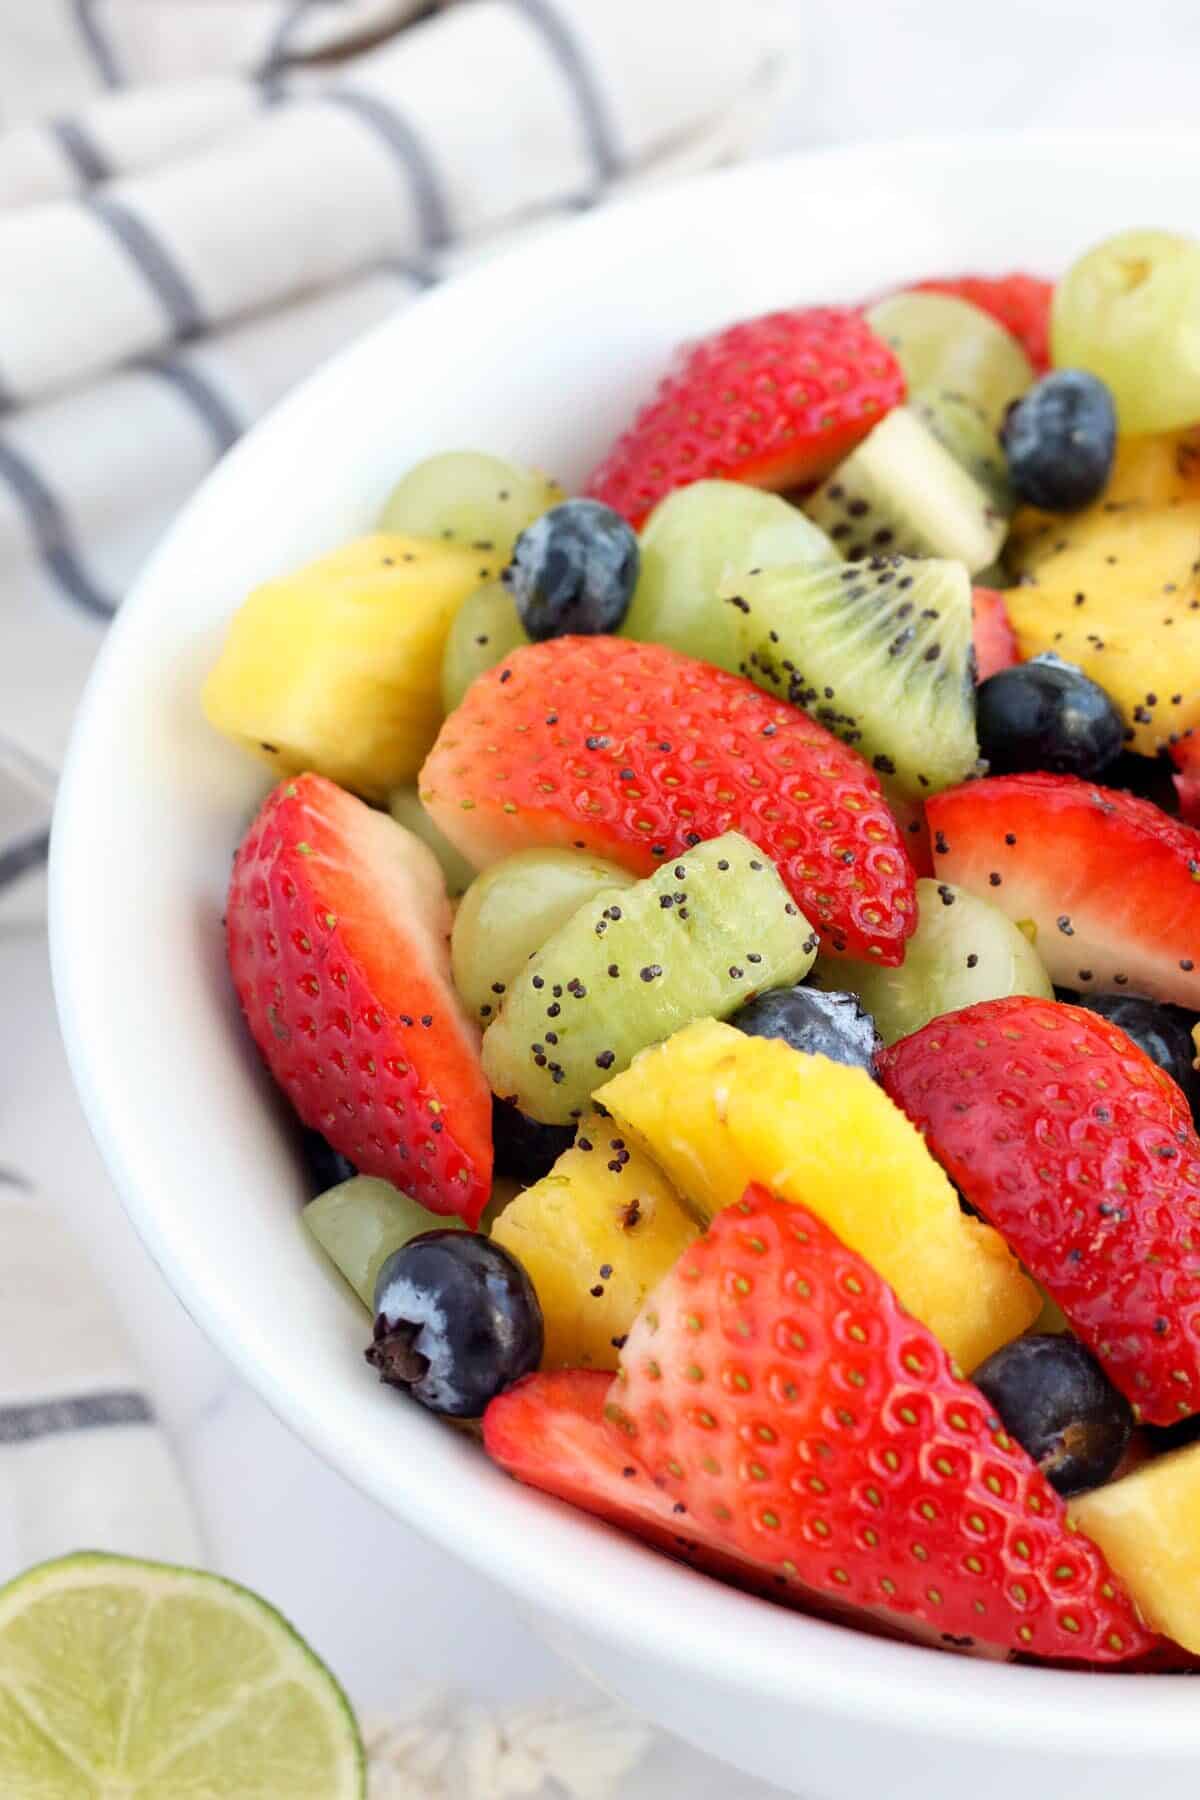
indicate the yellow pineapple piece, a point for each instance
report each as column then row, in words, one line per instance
column 337, row 667
column 718, row 1109
column 1118, row 592
column 1148, row 1526
column 595, row 1235
column 1156, row 470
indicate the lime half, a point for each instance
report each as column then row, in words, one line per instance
column 127, row 1680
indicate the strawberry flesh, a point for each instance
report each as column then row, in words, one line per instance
column 337, row 930
column 995, row 640
column 1110, row 882
column 1185, row 754
column 776, row 1386
column 1082, row 1153
column 637, row 752
column 775, row 401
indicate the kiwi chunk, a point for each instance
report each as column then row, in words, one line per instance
column 902, row 493
column 941, row 341
column 963, row 428
column 879, row 652
column 964, row 950
column 695, row 940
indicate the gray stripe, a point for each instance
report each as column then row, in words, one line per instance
column 281, row 39
column 82, row 151
column 155, row 262
column 433, row 211
column 418, row 273
column 12, row 1178
column 204, row 398
column 52, row 533
column 8, row 400
column 87, row 1412
column 100, row 49
column 23, row 856
column 598, row 129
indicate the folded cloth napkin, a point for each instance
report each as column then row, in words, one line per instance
column 199, row 203
column 83, row 1463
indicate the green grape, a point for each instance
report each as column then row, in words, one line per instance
column 485, row 628
column 510, row 910
column 948, row 344
column 361, row 1221
column 964, row 950
column 405, row 807
column 1129, row 311
column 471, row 499
column 693, row 539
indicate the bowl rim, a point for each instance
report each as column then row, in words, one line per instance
column 544, row 1553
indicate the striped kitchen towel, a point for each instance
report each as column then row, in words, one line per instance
column 199, row 203
column 83, row 1463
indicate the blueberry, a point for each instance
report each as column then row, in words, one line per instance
column 324, row 1166
column 574, row 570
column 456, row 1322
column 525, row 1150
column 1047, row 714
column 1163, row 1032
column 1060, row 439
column 1055, row 1399
column 832, row 1025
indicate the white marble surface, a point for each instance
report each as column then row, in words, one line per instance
column 386, row 1609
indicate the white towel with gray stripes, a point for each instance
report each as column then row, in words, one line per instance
column 83, row 1463
column 199, row 203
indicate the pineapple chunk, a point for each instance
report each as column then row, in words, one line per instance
column 1118, row 592
column 718, row 1109
column 595, row 1235
column 1148, row 1526
column 1158, row 469
column 336, row 668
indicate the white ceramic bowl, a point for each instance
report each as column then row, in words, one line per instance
column 538, row 356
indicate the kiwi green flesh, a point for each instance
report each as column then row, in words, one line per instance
column 696, row 940
column 963, row 951
column 879, row 652
column 963, row 428
column 902, row 493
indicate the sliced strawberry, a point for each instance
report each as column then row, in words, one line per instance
column 1082, row 1153
column 550, row 1432
column 636, row 752
column 776, row 1387
column 775, row 401
column 1185, row 754
column 1021, row 303
column 1109, row 882
column 995, row 639
column 337, row 932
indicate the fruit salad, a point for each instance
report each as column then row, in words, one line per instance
column 731, row 940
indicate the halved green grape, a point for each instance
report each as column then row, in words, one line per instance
column 485, row 628
column 945, row 343
column 1129, row 311
column 471, row 498
column 694, row 538
column 963, row 951
column 510, row 910
column 405, row 807
column 361, row 1221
